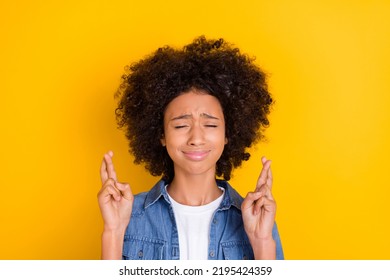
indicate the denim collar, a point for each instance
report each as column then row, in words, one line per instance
column 231, row 197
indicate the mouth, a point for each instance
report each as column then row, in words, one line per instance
column 196, row 155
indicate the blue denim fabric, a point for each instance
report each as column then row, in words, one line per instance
column 152, row 233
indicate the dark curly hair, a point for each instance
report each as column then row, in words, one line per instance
column 211, row 66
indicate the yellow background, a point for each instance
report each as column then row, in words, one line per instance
column 328, row 64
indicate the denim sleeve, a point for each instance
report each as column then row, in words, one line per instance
column 276, row 237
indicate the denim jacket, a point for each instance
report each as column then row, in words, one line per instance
column 152, row 232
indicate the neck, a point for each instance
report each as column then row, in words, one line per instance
column 194, row 190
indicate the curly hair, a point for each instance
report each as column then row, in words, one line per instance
column 211, row 66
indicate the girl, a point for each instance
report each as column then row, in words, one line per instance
column 189, row 116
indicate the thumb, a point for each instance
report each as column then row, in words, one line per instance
column 125, row 190
column 250, row 199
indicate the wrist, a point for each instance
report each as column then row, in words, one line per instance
column 114, row 230
column 264, row 248
column 112, row 243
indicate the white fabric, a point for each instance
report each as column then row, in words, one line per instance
column 193, row 227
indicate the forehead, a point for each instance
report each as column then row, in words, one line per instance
column 194, row 103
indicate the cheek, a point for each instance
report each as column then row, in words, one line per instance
column 173, row 141
column 171, row 149
column 219, row 140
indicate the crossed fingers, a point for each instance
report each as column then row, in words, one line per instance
column 109, row 179
column 107, row 169
column 265, row 180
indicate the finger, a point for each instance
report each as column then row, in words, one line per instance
column 110, row 165
column 270, row 178
column 264, row 173
column 125, row 190
column 265, row 203
column 103, row 171
column 114, row 192
column 109, row 189
column 266, row 191
column 249, row 200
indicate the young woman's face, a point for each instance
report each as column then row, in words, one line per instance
column 194, row 132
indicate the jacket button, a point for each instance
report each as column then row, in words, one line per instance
column 212, row 254
column 140, row 254
column 214, row 221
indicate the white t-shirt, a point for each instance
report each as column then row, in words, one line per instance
column 193, row 227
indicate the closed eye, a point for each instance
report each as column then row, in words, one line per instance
column 211, row 125
column 180, row 126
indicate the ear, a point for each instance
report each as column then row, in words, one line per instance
column 226, row 140
column 162, row 140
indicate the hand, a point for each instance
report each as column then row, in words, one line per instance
column 259, row 207
column 115, row 198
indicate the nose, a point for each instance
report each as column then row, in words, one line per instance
column 196, row 136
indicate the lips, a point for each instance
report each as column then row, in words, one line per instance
column 196, row 155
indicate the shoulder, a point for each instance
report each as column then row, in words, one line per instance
column 139, row 201
column 232, row 197
column 144, row 199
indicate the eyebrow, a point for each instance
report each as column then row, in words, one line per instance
column 189, row 116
